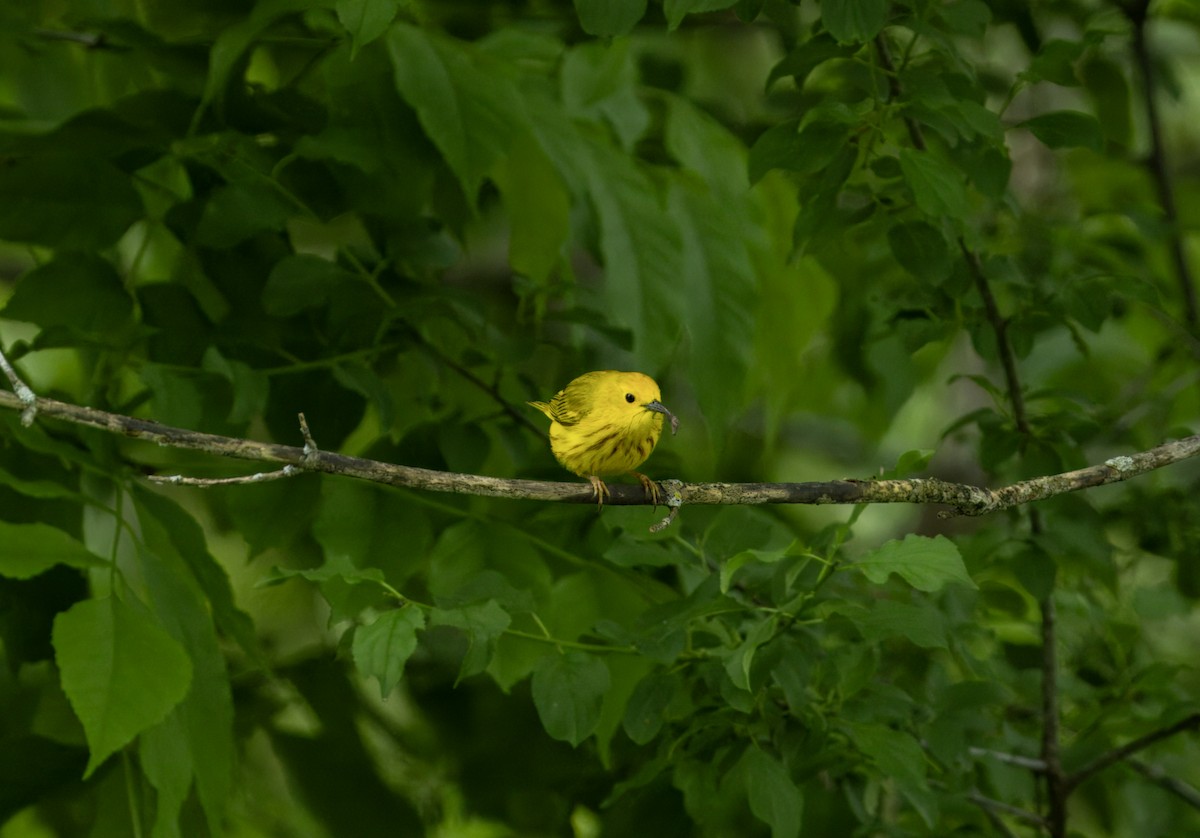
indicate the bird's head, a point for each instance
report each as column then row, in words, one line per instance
column 634, row 393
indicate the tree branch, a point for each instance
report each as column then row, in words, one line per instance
column 1137, row 13
column 962, row 498
column 1103, row 761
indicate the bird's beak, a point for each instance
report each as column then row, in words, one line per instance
column 659, row 407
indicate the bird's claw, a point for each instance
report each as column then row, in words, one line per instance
column 599, row 490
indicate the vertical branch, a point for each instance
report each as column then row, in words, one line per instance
column 1057, row 787
column 1136, row 12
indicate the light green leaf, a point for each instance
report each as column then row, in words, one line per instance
column 121, row 672
column 936, row 183
column 925, row 563
column 774, row 797
column 605, row 18
column 29, row 549
column 382, row 648
column 466, row 104
column 568, row 691
column 40, row 489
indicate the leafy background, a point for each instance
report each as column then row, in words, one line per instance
column 406, row 219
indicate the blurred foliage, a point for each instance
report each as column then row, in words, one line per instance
column 406, row 219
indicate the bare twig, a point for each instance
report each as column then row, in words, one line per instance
column 1000, row 807
column 1010, row 759
column 257, row 477
column 1137, row 13
column 1103, row 761
column 22, row 390
column 1188, row 793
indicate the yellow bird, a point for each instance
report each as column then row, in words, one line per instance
column 605, row 423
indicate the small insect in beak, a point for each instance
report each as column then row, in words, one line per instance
column 659, row 407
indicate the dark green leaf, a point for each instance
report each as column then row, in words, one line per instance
column 676, row 10
column 774, row 798
column 644, row 714
column 606, row 18
column 467, row 107
column 921, row 249
column 854, row 21
column 78, row 291
column 1066, row 129
column 71, row 201
column 483, row 623
column 937, row 185
column 568, row 691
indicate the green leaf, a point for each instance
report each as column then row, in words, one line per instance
column 301, row 281
column 568, row 691
column 806, row 57
column 76, row 290
column 239, row 211
column 196, row 740
column 1108, row 88
column 922, row 624
column 927, row 564
column 483, row 623
column 165, row 523
column 899, row 757
column 1066, row 129
column 29, row 549
column 249, row 385
column 382, row 648
column 539, row 210
column 774, row 797
column 121, row 672
column 235, row 40
column 70, row 201
column 366, row 20
column 921, row 249
column 40, row 489
column 467, row 106
column 676, row 10
column 936, row 183
column 740, row 661
column 853, row 21
column 644, row 713
column 605, row 18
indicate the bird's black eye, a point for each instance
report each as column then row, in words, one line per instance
column 629, row 397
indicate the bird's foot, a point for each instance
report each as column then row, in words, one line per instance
column 599, row 489
column 651, row 488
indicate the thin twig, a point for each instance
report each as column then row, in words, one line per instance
column 988, row 804
column 257, row 477
column 1188, row 793
column 1031, row 763
column 1136, row 12
column 22, row 390
column 1103, row 761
